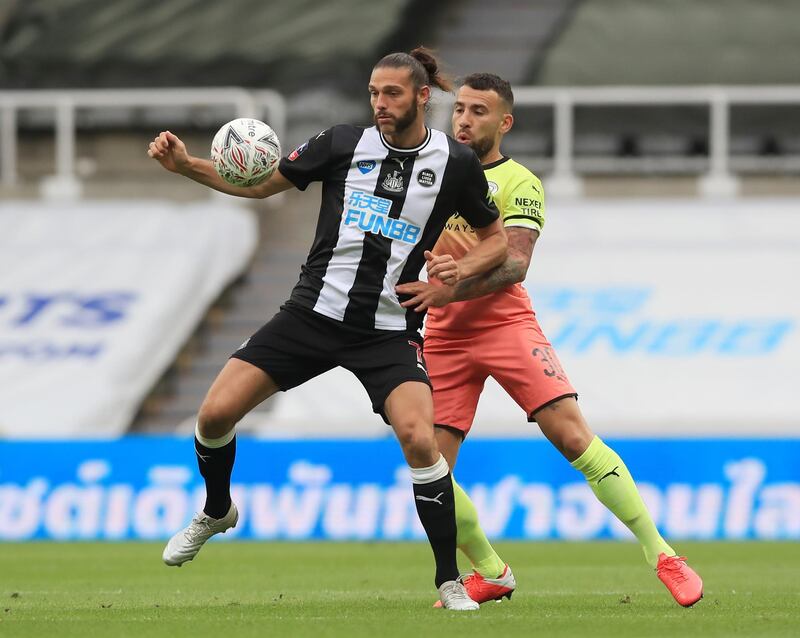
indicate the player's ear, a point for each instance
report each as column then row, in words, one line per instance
column 507, row 123
column 424, row 95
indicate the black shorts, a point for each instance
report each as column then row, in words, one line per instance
column 298, row 344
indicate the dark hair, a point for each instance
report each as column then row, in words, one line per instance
column 423, row 65
column 491, row 82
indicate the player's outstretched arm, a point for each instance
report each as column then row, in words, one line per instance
column 169, row 151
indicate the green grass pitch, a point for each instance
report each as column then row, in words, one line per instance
column 384, row 590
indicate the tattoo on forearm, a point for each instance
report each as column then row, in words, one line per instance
column 509, row 272
column 520, row 249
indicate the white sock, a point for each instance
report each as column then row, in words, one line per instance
column 214, row 443
column 422, row 475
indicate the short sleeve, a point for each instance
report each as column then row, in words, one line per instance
column 523, row 206
column 309, row 162
column 474, row 200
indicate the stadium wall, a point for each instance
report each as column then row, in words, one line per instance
column 98, row 298
column 672, row 317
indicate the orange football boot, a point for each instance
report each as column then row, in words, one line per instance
column 682, row 581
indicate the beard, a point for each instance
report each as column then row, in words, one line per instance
column 482, row 146
column 403, row 122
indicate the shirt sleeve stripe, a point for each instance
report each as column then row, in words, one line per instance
column 526, row 217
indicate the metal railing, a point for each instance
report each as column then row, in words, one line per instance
column 242, row 103
column 565, row 178
column 718, row 180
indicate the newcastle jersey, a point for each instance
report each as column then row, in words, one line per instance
column 382, row 208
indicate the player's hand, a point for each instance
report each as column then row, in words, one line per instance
column 443, row 267
column 425, row 295
column 168, row 149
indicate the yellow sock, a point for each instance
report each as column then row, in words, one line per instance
column 613, row 485
column 471, row 539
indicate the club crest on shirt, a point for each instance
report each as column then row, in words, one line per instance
column 493, row 188
column 393, row 182
column 365, row 166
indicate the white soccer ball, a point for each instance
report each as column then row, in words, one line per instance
column 245, row 151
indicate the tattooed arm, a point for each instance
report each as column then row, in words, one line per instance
column 513, row 270
column 520, row 250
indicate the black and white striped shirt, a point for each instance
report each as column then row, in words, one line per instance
column 381, row 208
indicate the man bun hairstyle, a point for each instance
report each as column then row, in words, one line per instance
column 423, row 65
column 435, row 76
column 491, row 82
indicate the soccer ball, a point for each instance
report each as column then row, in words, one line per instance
column 245, row 151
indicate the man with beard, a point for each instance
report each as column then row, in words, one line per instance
column 469, row 339
column 387, row 192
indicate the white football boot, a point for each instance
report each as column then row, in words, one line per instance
column 454, row 596
column 185, row 544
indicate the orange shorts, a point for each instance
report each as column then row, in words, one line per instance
column 518, row 356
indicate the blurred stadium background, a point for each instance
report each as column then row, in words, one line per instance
column 667, row 134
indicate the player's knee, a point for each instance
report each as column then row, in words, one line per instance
column 215, row 419
column 574, row 443
column 567, row 430
column 574, row 437
column 415, row 437
column 412, row 441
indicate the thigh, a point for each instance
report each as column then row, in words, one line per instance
column 385, row 361
column 409, row 406
column 524, row 363
column 238, row 388
column 291, row 348
column 457, row 381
